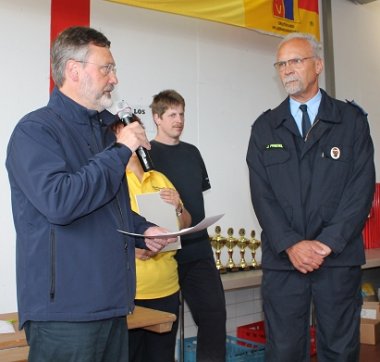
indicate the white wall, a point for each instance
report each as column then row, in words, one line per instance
column 356, row 30
column 225, row 74
column 24, row 64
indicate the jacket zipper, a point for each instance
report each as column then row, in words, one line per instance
column 52, row 265
column 307, row 134
column 99, row 147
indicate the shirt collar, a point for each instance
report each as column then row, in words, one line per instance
column 312, row 106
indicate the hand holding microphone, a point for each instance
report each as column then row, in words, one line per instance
column 134, row 137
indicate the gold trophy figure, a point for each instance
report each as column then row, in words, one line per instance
column 243, row 242
column 254, row 244
column 231, row 243
column 218, row 241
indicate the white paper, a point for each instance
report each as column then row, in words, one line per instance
column 204, row 224
column 368, row 313
column 6, row 327
column 159, row 212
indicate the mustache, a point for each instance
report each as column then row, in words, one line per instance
column 110, row 88
column 290, row 78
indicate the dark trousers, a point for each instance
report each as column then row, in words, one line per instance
column 203, row 292
column 146, row 346
column 97, row 341
column 287, row 297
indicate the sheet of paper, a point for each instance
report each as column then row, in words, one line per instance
column 159, row 212
column 6, row 327
column 204, row 224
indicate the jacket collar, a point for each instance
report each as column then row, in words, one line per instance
column 68, row 109
column 327, row 112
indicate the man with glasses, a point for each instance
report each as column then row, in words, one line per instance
column 75, row 271
column 312, row 182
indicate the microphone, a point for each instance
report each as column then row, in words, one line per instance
column 126, row 116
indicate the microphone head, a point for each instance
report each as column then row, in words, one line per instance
column 124, row 110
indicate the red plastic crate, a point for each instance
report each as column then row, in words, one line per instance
column 255, row 332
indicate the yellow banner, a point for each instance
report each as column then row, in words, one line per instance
column 277, row 17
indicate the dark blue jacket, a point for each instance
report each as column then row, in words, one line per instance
column 321, row 189
column 68, row 200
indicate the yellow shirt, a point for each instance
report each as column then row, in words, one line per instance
column 156, row 277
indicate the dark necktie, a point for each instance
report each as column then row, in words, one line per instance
column 306, row 124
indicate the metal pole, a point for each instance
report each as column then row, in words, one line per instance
column 181, row 328
column 328, row 47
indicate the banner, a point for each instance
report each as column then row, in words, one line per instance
column 278, row 17
column 65, row 13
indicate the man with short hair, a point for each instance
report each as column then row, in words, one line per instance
column 75, row 271
column 312, row 181
column 200, row 282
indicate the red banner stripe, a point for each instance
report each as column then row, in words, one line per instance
column 66, row 13
column 310, row 5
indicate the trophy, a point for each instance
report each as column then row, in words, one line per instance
column 254, row 244
column 218, row 242
column 243, row 242
column 231, row 243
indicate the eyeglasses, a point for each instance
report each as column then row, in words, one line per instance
column 104, row 69
column 295, row 63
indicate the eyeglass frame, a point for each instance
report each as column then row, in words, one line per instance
column 293, row 62
column 108, row 68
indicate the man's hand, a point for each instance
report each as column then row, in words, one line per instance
column 144, row 254
column 156, row 244
column 308, row 255
column 321, row 249
column 132, row 136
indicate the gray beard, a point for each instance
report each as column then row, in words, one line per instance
column 105, row 102
column 293, row 87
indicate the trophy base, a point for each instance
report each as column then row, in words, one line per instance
column 232, row 269
column 222, row 270
column 255, row 267
column 245, row 268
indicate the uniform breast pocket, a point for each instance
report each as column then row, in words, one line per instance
column 336, row 163
column 275, row 157
column 276, row 164
column 338, row 153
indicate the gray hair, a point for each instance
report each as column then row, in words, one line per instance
column 73, row 43
column 314, row 44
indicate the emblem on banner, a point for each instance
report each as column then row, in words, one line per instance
column 335, row 153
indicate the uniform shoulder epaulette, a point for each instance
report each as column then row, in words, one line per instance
column 353, row 103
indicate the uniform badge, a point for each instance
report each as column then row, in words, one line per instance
column 335, row 153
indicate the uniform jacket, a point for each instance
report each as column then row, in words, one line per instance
column 68, row 199
column 320, row 188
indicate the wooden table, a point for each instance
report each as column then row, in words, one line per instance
column 14, row 348
column 151, row 319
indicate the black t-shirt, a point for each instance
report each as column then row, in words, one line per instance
column 183, row 165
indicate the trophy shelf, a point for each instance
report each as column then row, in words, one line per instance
column 372, row 258
column 253, row 278
column 243, row 279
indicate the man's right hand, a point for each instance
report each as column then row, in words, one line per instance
column 132, row 136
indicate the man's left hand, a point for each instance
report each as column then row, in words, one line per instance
column 156, row 244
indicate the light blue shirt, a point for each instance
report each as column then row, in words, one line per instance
column 312, row 109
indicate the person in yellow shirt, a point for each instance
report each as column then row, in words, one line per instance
column 156, row 274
